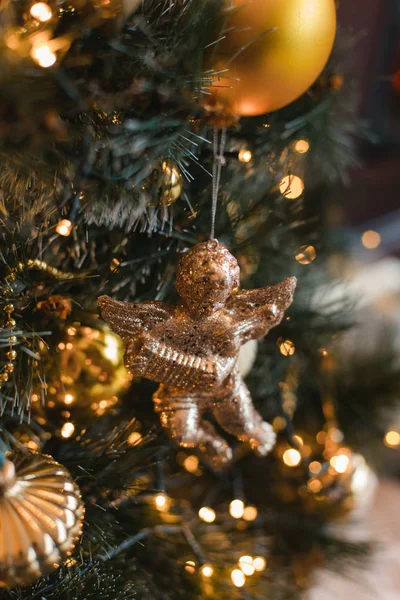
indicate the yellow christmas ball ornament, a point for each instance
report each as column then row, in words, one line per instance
column 168, row 180
column 274, row 50
column 85, row 369
column 41, row 514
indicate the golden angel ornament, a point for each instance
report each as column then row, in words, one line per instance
column 192, row 350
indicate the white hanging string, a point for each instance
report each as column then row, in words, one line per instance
column 218, row 163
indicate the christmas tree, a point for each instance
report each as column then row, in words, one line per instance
column 154, row 143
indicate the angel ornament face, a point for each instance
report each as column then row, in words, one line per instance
column 192, row 350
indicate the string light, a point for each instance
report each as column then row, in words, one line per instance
column 69, row 398
column 279, row 423
column 41, row 12
column 298, row 440
column 306, row 255
column 392, row 439
column 207, row 514
column 246, row 564
column 259, row 563
column 45, row 58
column 162, row 502
column 207, row 570
column 250, row 513
column 371, row 239
column 67, row 430
column 315, row 467
column 238, row 578
column 291, row 186
column 190, row 566
column 302, row 146
column 191, row 463
column 236, row 508
column 340, row 463
column 291, row 457
column 245, row 155
column 287, row 347
column 314, row 485
column 64, row 227
column 134, row 438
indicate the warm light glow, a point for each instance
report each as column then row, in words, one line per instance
column 45, row 58
column 246, row 564
column 287, row 348
column 259, row 563
column 191, row 463
column 302, row 146
column 279, row 423
column 371, row 239
column 291, row 457
column 315, row 486
column 315, row 467
column 41, row 12
column 250, row 513
column 207, row 514
column 190, row 566
column 67, row 430
column 392, row 439
column 238, row 578
column 291, row 187
column 111, row 348
column 340, row 463
column 306, row 255
column 236, row 509
column 162, row 502
column 69, row 398
column 64, row 227
column 298, row 440
column 245, row 156
column 207, row 570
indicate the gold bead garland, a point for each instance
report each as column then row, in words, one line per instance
column 11, row 354
column 38, row 265
column 8, row 309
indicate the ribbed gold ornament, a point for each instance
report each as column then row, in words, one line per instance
column 41, row 514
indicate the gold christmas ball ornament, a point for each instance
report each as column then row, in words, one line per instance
column 168, row 182
column 41, row 514
column 85, row 369
column 273, row 50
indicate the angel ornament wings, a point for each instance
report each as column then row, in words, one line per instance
column 192, row 350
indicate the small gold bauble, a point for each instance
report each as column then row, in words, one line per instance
column 11, row 354
column 274, row 51
column 84, row 370
column 168, row 180
column 41, row 514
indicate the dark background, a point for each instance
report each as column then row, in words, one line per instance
column 372, row 199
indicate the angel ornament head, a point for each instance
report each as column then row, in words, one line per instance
column 192, row 350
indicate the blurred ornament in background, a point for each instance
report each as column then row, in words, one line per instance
column 327, row 477
column 271, row 53
column 41, row 514
column 85, row 370
column 167, row 180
